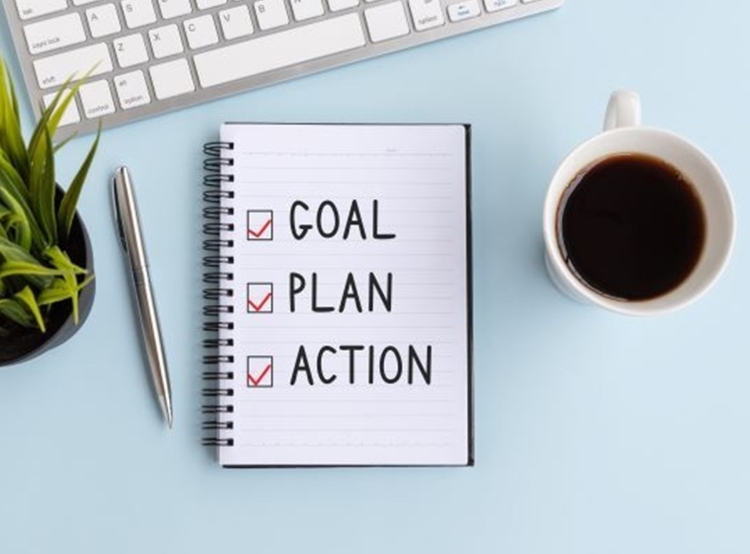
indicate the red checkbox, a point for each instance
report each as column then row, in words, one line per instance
column 259, row 372
column 260, row 298
column 259, row 225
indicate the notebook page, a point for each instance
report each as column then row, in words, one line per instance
column 350, row 295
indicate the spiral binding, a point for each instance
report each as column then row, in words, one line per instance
column 218, row 382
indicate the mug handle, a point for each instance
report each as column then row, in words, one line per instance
column 623, row 110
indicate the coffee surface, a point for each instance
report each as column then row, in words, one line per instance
column 631, row 227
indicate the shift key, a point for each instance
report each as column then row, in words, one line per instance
column 54, row 70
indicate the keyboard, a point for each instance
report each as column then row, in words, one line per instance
column 146, row 57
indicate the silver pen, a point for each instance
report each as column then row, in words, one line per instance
column 129, row 228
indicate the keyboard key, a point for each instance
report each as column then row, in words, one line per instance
column 83, row 2
column 282, row 49
column 54, row 70
column 271, row 14
column 55, row 33
column 174, row 8
column 495, row 5
column 165, row 41
column 306, row 9
column 130, row 50
column 132, row 90
column 387, row 21
column 96, row 99
column 205, row 4
column 201, row 32
column 236, row 22
column 171, row 79
column 28, row 9
column 463, row 10
column 426, row 14
column 71, row 115
column 103, row 20
column 138, row 13
column 338, row 5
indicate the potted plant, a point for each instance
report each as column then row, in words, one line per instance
column 46, row 262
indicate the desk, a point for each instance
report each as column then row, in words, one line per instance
column 594, row 432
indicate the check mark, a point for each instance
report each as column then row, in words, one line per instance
column 259, row 225
column 259, row 232
column 258, row 307
column 256, row 380
column 260, row 298
column 260, row 371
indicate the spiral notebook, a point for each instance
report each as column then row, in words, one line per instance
column 339, row 295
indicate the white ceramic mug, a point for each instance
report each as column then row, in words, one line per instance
column 624, row 134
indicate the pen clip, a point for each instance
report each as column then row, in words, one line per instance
column 118, row 209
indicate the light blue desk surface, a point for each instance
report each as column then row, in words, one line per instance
column 594, row 432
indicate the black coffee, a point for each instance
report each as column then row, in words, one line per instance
column 631, row 227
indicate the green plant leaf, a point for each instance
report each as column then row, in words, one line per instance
column 10, row 176
column 57, row 109
column 54, row 112
column 70, row 274
column 69, row 202
column 45, row 123
column 59, row 146
column 47, row 211
column 61, row 260
column 57, row 291
column 16, row 311
column 60, row 290
column 23, row 226
column 16, row 196
column 26, row 296
column 14, row 101
column 72, row 282
column 11, row 138
column 9, row 250
column 11, row 268
column 42, row 187
column 12, row 223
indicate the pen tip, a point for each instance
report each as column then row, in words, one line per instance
column 166, row 409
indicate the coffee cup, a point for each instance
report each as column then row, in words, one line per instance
column 637, row 220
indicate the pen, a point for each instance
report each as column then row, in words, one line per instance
column 129, row 229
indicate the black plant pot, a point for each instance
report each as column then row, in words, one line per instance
column 23, row 344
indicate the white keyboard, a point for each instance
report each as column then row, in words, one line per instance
column 150, row 56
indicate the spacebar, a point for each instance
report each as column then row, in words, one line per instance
column 283, row 49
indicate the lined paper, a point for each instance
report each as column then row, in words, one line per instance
column 350, row 295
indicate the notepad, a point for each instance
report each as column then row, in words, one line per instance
column 339, row 295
